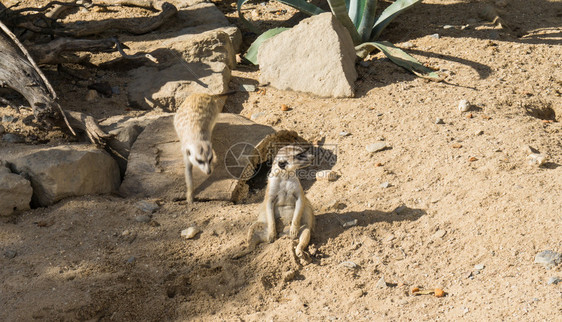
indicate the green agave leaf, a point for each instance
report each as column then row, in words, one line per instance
column 389, row 14
column 354, row 8
column 244, row 20
column 340, row 11
column 399, row 57
column 252, row 53
column 303, row 6
column 367, row 19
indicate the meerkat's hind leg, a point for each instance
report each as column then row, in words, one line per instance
column 304, row 239
column 256, row 235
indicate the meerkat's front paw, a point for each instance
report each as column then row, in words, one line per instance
column 271, row 234
column 294, row 232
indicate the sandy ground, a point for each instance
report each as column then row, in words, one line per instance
column 443, row 199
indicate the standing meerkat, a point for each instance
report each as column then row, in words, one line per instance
column 194, row 122
column 285, row 201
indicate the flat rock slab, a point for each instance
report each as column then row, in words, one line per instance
column 15, row 191
column 64, row 171
column 156, row 168
column 316, row 56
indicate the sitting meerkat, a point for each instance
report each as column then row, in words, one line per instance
column 285, row 201
column 194, row 122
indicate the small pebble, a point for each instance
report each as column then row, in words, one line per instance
column 447, row 27
column 548, row 258
column 344, row 133
column 247, row 88
column 147, row 206
column 256, row 115
column 536, row 159
column 385, row 184
column 143, row 218
column 381, row 283
column 407, row 45
column 348, row 264
column 350, row 223
column 189, row 232
column 328, row 175
column 440, row 233
column 479, row 267
column 284, row 108
column 553, row 280
column 479, row 132
column 131, row 259
column 91, row 95
column 464, row 106
column 376, row 147
column 439, row 121
column 436, row 36
column 10, row 253
column 7, row 119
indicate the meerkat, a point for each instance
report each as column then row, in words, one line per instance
column 194, row 122
column 285, row 201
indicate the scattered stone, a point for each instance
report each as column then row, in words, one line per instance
column 350, row 223
column 91, row 95
column 8, row 119
column 407, row 45
column 439, row 234
column 376, row 147
column 479, row 132
column 479, row 267
column 548, row 258
column 328, row 175
column 126, row 232
column 385, row 184
column 131, row 259
column 348, row 264
column 64, row 171
column 439, row 121
column 147, row 206
column 189, row 232
column 247, row 88
column 464, row 106
column 344, row 133
column 286, row 61
column 10, row 253
column 553, row 280
column 143, row 218
column 257, row 115
column 448, row 27
column 435, row 36
column 285, row 107
column 536, row 159
column 13, row 138
column 400, row 209
column 15, row 192
column 381, row 283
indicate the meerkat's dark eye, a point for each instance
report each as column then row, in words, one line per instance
column 282, row 164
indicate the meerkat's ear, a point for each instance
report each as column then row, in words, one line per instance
column 282, row 164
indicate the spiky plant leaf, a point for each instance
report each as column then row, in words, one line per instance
column 367, row 19
column 340, row 11
column 303, row 6
column 389, row 14
column 248, row 24
column 252, row 53
column 399, row 57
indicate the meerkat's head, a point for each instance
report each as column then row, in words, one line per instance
column 202, row 155
column 292, row 157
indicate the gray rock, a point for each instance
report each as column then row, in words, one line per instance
column 8, row 119
column 247, row 88
column 13, row 138
column 553, row 280
column 10, row 253
column 439, row 121
column 156, row 170
column 147, row 206
column 376, row 147
column 143, row 218
column 435, row 36
column 464, row 106
column 65, row 171
column 15, row 192
column 381, row 283
column 297, row 59
column 167, row 88
column 548, row 258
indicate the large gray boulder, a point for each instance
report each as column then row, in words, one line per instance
column 15, row 191
column 156, row 168
column 65, row 171
column 316, row 56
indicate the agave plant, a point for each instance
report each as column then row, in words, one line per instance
column 359, row 18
